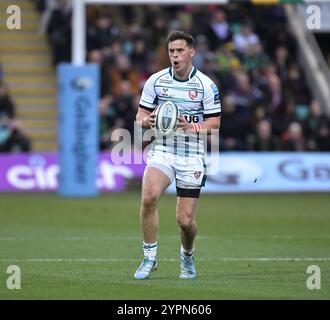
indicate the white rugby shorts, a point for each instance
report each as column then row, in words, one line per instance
column 189, row 172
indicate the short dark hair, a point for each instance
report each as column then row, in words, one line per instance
column 181, row 35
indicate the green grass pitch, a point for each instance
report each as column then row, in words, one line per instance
column 252, row 246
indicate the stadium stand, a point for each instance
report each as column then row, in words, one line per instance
column 12, row 136
column 247, row 50
column 30, row 76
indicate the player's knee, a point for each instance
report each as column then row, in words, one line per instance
column 149, row 200
column 185, row 221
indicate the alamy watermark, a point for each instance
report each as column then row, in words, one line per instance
column 314, row 280
column 14, row 280
column 313, row 20
column 128, row 149
column 13, row 21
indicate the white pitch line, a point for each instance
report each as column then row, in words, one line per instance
column 276, row 259
column 224, row 259
column 120, row 237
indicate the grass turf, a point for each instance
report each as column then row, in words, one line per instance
column 252, row 246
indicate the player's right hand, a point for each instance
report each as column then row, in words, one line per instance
column 150, row 120
column 182, row 124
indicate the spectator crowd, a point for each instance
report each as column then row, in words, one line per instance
column 246, row 50
column 12, row 135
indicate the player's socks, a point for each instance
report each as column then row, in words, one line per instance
column 150, row 250
column 187, row 264
column 187, row 252
column 149, row 262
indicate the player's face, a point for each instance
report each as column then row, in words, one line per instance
column 180, row 55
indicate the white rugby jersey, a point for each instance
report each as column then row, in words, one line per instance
column 197, row 98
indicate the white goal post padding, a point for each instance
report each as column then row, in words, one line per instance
column 79, row 20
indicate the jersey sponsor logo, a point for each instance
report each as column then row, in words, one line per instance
column 190, row 119
column 165, row 81
column 165, row 92
column 193, row 94
column 193, row 84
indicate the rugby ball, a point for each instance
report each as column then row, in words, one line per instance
column 166, row 119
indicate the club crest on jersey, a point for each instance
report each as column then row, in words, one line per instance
column 197, row 174
column 193, row 94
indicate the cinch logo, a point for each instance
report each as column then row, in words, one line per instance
column 37, row 176
column 34, row 175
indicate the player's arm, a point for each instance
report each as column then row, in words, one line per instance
column 211, row 123
column 146, row 118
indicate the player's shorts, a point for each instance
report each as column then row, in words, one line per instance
column 188, row 172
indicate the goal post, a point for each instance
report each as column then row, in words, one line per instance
column 79, row 19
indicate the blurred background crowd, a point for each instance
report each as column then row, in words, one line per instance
column 247, row 51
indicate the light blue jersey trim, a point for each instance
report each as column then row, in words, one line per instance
column 207, row 111
column 191, row 112
column 149, row 103
column 178, row 100
column 180, row 88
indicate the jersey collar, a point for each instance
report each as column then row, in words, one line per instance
column 190, row 76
